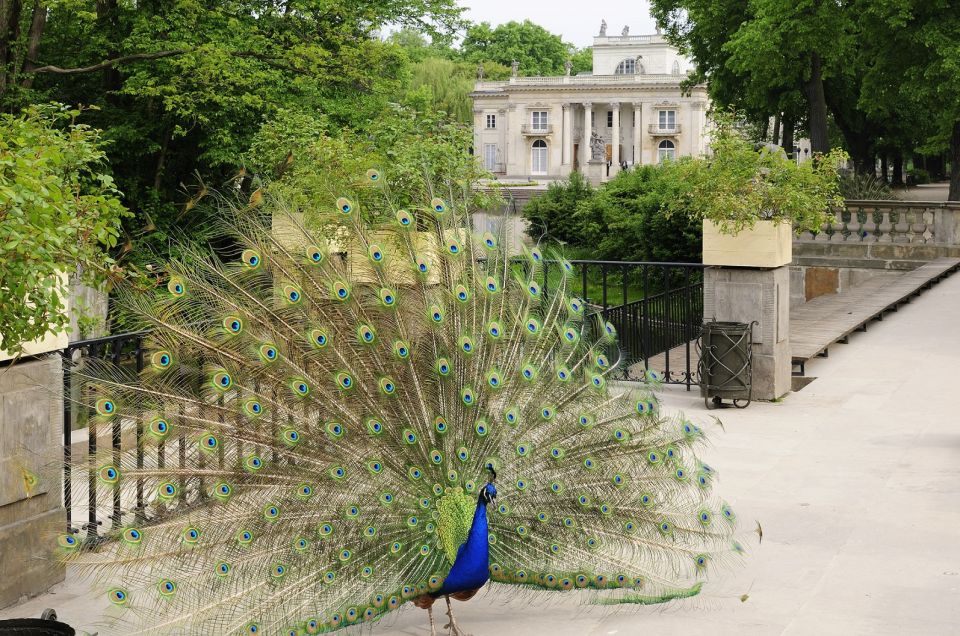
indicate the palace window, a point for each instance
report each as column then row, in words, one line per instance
column 491, row 121
column 539, row 120
column 609, row 119
column 668, row 119
column 490, row 157
column 538, row 157
column 676, row 68
column 666, row 151
column 627, row 67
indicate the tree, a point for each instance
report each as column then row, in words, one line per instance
column 537, row 51
column 181, row 89
column 915, row 77
column 442, row 85
column 552, row 216
column 755, row 54
column 582, row 61
column 59, row 210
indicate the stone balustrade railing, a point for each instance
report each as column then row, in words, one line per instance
column 576, row 80
column 903, row 222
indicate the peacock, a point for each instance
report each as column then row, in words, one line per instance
column 366, row 405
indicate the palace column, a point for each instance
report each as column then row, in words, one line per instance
column 615, row 140
column 566, row 138
column 637, row 134
column 585, row 143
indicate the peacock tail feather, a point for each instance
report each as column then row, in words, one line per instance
column 324, row 408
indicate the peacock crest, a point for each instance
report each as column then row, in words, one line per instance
column 324, row 414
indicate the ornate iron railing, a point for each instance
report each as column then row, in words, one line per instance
column 657, row 309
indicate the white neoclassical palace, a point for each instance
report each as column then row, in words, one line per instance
column 630, row 110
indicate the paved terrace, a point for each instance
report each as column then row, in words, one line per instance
column 855, row 479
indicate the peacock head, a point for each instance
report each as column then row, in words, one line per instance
column 489, row 492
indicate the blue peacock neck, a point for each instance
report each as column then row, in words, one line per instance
column 471, row 569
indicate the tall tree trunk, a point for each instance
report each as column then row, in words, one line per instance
column 954, row 194
column 37, row 24
column 788, row 125
column 776, row 129
column 108, row 18
column 897, row 179
column 9, row 34
column 817, row 104
column 765, row 129
column 883, row 167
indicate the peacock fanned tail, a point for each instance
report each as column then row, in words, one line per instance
column 319, row 414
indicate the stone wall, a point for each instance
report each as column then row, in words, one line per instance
column 740, row 294
column 31, row 426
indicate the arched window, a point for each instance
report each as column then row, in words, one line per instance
column 676, row 67
column 538, row 157
column 627, row 67
column 666, row 151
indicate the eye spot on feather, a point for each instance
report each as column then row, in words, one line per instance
column 314, row 255
column 251, row 258
column 177, row 287
column 344, row 205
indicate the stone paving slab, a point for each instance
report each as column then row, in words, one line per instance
column 855, row 480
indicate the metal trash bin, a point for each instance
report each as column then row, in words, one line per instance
column 725, row 368
column 46, row 625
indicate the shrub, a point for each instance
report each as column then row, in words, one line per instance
column 553, row 215
column 628, row 218
column 865, row 187
column 60, row 212
column 916, row 176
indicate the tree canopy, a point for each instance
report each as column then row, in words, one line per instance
column 537, row 51
column 866, row 68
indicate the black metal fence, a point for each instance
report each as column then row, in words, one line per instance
column 657, row 309
column 122, row 350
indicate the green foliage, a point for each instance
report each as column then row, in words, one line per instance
column 301, row 163
column 582, row 61
column 917, row 176
column 738, row 185
column 223, row 69
column 538, row 51
column 865, row 187
column 552, row 216
column 638, row 216
column 440, row 85
column 59, row 210
column 625, row 219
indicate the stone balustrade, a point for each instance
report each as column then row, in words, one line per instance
column 891, row 222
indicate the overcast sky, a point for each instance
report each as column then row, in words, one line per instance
column 576, row 20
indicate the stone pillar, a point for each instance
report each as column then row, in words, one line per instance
column 743, row 294
column 585, row 143
column 637, row 134
column 615, row 140
column 566, row 138
column 31, row 429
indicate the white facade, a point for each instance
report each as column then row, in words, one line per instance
column 541, row 127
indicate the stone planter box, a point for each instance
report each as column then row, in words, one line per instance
column 765, row 245
column 51, row 341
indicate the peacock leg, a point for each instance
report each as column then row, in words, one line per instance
column 452, row 625
column 433, row 626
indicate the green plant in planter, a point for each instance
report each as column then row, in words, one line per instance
column 740, row 185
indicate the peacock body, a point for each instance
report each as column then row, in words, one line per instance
column 373, row 405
